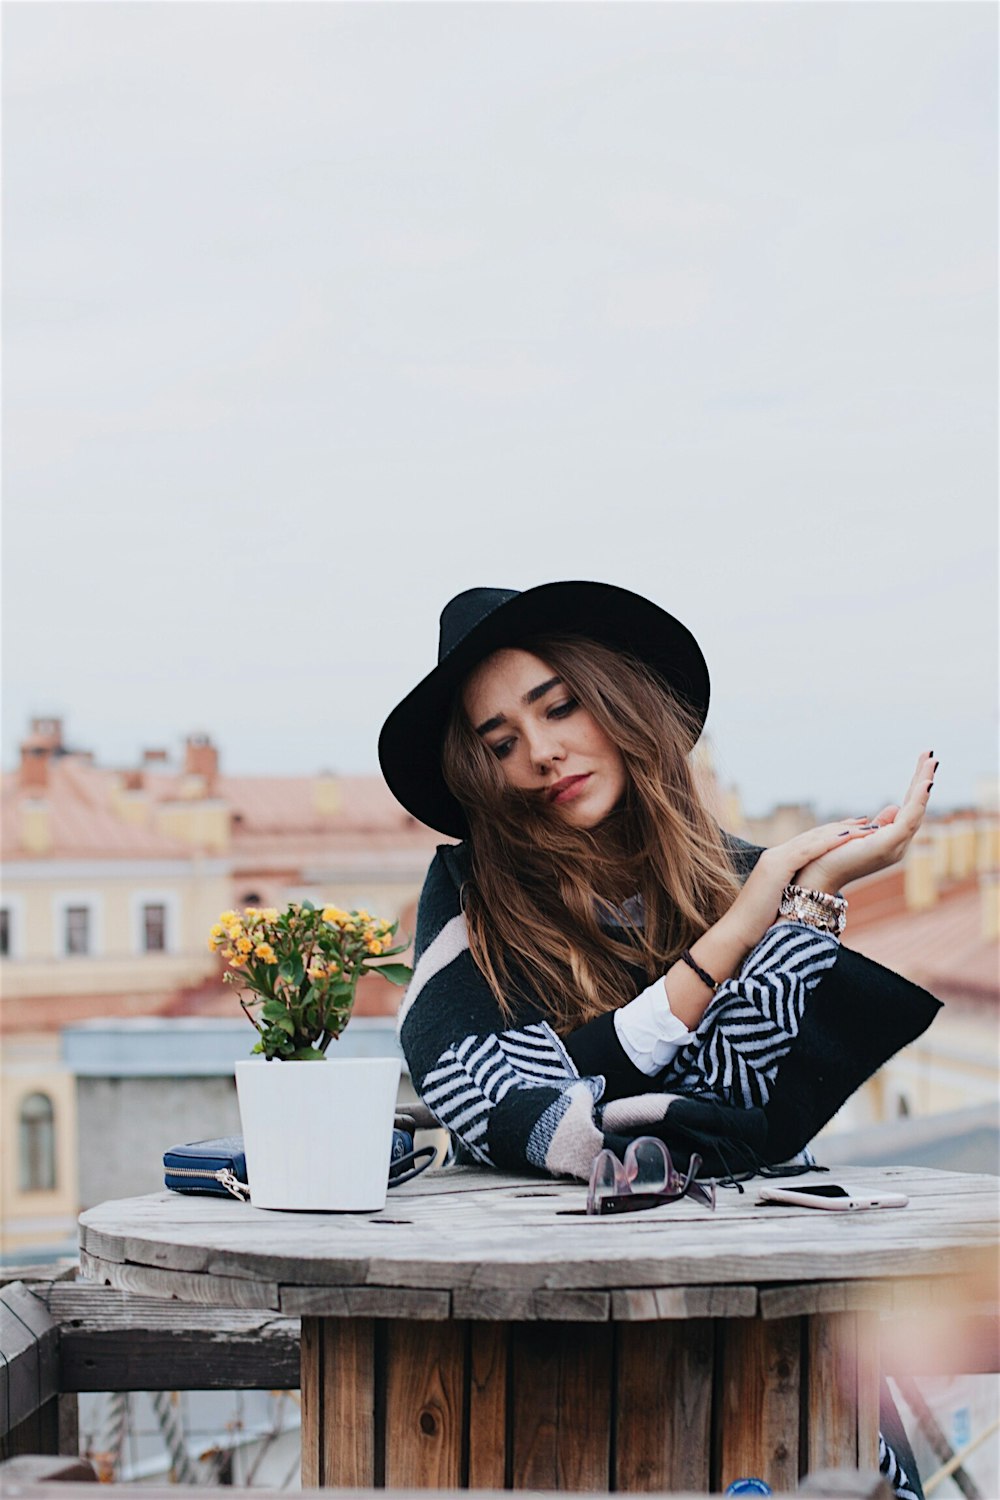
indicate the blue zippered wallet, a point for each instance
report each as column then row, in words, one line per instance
column 219, row 1166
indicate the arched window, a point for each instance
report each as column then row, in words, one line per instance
column 37, row 1140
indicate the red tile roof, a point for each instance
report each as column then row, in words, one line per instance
column 941, row 948
column 273, row 817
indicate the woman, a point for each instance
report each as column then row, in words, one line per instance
column 597, row 960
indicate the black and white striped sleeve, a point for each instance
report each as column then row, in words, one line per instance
column 754, row 1018
column 510, row 1094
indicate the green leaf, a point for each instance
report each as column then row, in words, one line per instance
column 307, row 1054
column 286, row 970
column 395, row 973
column 274, row 1011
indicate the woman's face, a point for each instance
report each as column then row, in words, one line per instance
column 545, row 741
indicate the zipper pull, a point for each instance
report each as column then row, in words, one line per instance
column 232, row 1183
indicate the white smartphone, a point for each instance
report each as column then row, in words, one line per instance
column 831, row 1197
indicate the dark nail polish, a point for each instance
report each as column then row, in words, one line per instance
column 844, row 834
column 930, row 752
column 936, row 764
column 930, row 789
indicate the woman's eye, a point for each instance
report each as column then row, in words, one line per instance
column 502, row 750
column 563, row 710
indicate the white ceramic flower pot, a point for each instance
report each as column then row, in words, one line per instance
column 317, row 1135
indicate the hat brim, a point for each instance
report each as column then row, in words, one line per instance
column 410, row 744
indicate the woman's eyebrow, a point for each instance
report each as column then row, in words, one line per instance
column 531, row 696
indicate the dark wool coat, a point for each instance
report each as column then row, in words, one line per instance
column 780, row 1049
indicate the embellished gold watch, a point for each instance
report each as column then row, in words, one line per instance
column 816, row 908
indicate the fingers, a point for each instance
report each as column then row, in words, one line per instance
column 923, row 776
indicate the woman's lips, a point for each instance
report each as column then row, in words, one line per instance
column 568, row 788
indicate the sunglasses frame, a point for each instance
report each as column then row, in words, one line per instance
column 626, row 1200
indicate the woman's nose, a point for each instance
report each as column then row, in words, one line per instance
column 544, row 746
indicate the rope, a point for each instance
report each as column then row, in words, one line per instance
column 958, row 1458
column 184, row 1471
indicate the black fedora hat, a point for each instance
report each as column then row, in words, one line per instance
column 480, row 621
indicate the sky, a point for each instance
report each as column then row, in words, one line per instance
column 316, row 314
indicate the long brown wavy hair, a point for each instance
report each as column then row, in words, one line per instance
column 539, row 887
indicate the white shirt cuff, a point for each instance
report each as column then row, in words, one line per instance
column 649, row 1031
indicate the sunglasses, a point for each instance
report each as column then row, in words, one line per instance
column 646, row 1178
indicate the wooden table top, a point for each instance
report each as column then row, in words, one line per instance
column 472, row 1243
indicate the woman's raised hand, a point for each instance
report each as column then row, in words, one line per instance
column 756, row 906
column 829, row 857
column 895, row 827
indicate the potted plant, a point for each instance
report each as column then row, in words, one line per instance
column 317, row 1132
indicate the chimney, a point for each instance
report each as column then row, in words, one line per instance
column 36, row 829
column 201, row 758
column 326, row 793
column 155, row 757
column 48, row 732
column 989, row 898
column 34, row 772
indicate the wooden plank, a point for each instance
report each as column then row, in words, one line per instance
column 831, row 1404
column 658, row 1303
column 561, row 1406
column 182, row 1359
column 365, row 1302
column 338, row 1402
column 523, row 1306
column 185, row 1286
column 804, row 1299
column 487, row 1417
column 424, row 1405
column 758, row 1419
column 663, row 1406
column 311, row 1388
column 869, row 1364
column 29, row 1367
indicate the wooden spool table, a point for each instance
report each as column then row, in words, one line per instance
column 472, row 1335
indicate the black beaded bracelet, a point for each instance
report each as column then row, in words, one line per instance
column 702, row 975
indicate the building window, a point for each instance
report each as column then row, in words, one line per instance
column 37, row 1140
column 154, row 928
column 4, row 931
column 77, row 929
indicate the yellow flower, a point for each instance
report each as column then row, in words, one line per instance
column 317, row 972
column 236, row 931
column 218, row 930
column 227, row 917
column 265, row 953
column 333, row 969
column 237, row 963
column 270, row 913
column 374, row 946
column 212, row 944
column 251, row 911
column 334, row 914
column 244, row 945
column 227, row 953
column 365, row 916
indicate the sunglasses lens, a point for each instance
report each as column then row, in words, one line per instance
column 647, row 1165
column 607, row 1180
